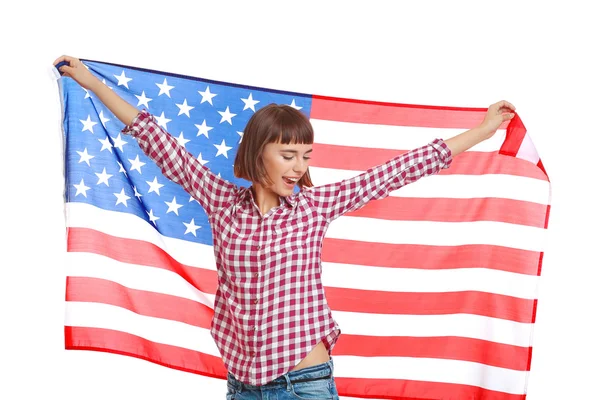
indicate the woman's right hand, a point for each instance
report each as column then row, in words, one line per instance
column 77, row 71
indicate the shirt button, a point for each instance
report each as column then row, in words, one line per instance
column 256, row 275
column 252, row 354
column 255, row 301
column 257, row 247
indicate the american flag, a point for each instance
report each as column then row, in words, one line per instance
column 434, row 287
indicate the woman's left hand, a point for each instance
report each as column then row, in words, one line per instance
column 496, row 114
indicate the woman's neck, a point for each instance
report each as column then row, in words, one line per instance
column 265, row 199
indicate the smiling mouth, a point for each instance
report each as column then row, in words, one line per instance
column 290, row 181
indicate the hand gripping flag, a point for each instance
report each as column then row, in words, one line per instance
column 434, row 287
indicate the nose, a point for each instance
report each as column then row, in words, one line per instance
column 300, row 165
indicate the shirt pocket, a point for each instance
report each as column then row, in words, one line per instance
column 291, row 236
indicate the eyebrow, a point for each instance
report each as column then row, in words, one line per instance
column 295, row 151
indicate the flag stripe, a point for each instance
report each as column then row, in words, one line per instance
column 468, row 163
column 119, row 342
column 455, row 186
column 404, row 389
column 381, row 113
column 394, row 138
column 455, row 210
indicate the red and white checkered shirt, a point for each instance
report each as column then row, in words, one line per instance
column 270, row 308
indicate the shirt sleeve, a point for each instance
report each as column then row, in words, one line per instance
column 178, row 165
column 335, row 199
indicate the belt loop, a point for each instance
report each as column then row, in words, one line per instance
column 288, row 382
column 331, row 365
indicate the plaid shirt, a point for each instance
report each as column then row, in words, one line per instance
column 270, row 308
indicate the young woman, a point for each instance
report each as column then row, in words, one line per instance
column 271, row 321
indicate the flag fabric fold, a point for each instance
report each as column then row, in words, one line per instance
column 434, row 287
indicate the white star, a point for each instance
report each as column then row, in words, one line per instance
column 81, row 189
column 201, row 160
column 106, row 144
column 122, row 79
column 143, row 99
column 85, row 157
column 241, row 136
column 192, row 199
column 181, row 140
column 203, row 129
column 191, row 227
column 250, row 103
column 153, row 218
column 226, row 116
column 87, row 94
column 136, row 164
column 173, row 206
column 103, row 119
column 88, row 125
column 294, row 105
column 122, row 197
column 164, row 88
column 162, row 120
column 118, row 142
column 121, row 169
column 136, row 193
column 222, row 148
column 207, row 96
column 154, row 186
column 103, row 177
column 184, row 108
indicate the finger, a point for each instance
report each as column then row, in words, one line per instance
column 66, row 69
column 508, row 105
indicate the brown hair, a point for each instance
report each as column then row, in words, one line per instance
column 271, row 124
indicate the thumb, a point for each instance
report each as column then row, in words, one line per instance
column 507, row 116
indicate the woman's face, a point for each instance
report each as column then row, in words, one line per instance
column 285, row 164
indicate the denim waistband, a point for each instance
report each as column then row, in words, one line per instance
column 315, row 372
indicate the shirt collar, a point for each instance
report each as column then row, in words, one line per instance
column 290, row 200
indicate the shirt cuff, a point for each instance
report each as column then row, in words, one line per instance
column 139, row 121
column 444, row 152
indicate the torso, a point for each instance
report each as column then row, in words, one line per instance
column 318, row 355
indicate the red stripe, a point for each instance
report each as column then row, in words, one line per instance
column 515, row 133
column 430, row 257
column 177, row 309
column 117, row 342
column 375, row 112
column 447, row 347
column 410, row 303
column 455, row 210
column 400, row 389
column 110, row 341
column 467, row 163
column 141, row 302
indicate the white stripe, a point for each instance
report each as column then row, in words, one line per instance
column 432, row 370
column 454, row 186
column 487, row 280
column 179, row 334
column 129, row 226
column 465, row 325
column 462, row 325
column 174, row 333
column 390, row 136
column 133, row 276
column 438, row 233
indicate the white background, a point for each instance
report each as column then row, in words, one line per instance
column 542, row 58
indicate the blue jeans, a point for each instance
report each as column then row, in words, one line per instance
column 312, row 383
